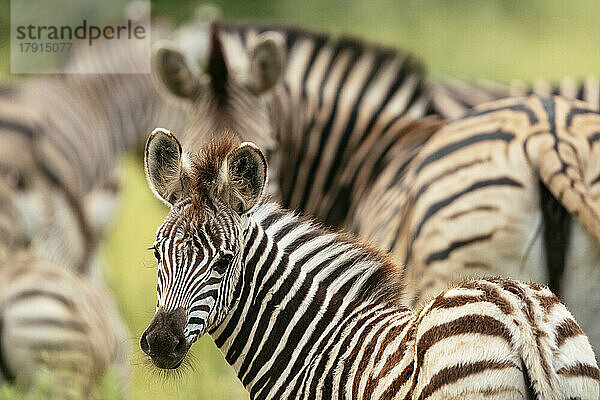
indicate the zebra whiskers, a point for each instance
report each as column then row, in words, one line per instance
column 302, row 312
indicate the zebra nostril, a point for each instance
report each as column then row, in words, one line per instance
column 180, row 347
column 144, row 344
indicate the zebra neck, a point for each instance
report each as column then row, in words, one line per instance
column 300, row 287
column 347, row 99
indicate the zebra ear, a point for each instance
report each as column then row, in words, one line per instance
column 267, row 61
column 246, row 170
column 163, row 162
column 174, row 72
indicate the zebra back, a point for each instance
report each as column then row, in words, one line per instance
column 453, row 98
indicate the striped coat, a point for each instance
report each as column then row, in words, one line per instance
column 498, row 193
column 344, row 141
column 71, row 130
column 453, row 98
column 325, row 109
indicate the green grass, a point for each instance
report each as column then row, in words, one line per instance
column 500, row 39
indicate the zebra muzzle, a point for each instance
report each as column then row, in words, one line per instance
column 164, row 340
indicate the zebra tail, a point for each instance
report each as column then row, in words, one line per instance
column 537, row 355
column 560, row 172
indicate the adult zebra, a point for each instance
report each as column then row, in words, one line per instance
column 304, row 313
column 498, row 192
column 324, row 109
column 53, row 320
column 72, row 129
column 56, row 196
column 327, row 110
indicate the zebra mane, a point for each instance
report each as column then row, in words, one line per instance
column 337, row 43
column 206, row 164
column 386, row 284
column 217, row 67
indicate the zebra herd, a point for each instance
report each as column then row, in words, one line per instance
column 355, row 137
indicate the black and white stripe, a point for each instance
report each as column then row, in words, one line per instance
column 338, row 106
column 453, row 98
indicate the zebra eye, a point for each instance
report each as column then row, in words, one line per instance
column 15, row 179
column 156, row 254
column 222, row 263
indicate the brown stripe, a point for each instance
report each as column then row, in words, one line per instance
column 490, row 294
column 392, row 334
column 567, row 329
column 452, row 374
column 476, row 324
column 547, row 302
column 580, row 369
column 396, row 358
column 392, row 390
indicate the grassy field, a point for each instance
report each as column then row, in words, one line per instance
column 497, row 39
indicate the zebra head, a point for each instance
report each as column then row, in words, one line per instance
column 232, row 93
column 37, row 211
column 198, row 245
column 26, row 197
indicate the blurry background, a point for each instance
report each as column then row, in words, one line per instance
column 496, row 39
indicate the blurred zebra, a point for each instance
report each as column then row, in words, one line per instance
column 53, row 320
column 61, row 137
column 453, row 98
column 324, row 109
column 50, row 318
column 498, row 193
column 327, row 110
column 73, row 129
column 304, row 313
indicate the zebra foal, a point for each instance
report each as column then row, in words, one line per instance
column 304, row 313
